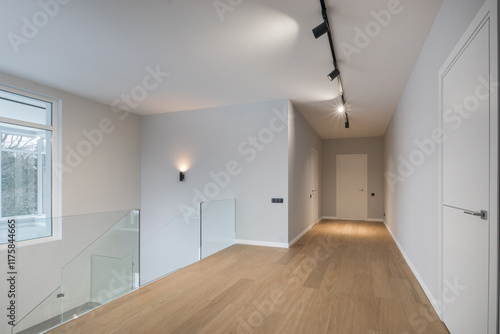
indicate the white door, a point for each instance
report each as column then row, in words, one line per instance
column 465, row 110
column 314, row 186
column 352, row 180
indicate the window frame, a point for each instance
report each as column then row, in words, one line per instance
column 55, row 147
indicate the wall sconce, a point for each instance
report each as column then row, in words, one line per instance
column 181, row 176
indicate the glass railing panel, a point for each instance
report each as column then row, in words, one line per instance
column 174, row 246
column 118, row 242
column 136, row 271
column 46, row 315
column 111, row 277
column 217, row 226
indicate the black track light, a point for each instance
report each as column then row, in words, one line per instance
column 335, row 73
column 320, row 30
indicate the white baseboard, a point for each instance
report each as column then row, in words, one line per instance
column 276, row 244
column 415, row 272
column 262, row 243
column 367, row 220
column 302, row 233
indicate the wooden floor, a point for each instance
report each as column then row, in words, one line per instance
column 341, row 277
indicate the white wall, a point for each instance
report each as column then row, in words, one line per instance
column 108, row 179
column 301, row 138
column 253, row 137
column 412, row 203
column 374, row 148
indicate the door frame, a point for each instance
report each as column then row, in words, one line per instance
column 337, row 185
column 315, row 220
column 489, row 11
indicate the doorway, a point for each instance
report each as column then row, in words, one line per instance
column 468, row 292
column 352, row 180
column 314, row 186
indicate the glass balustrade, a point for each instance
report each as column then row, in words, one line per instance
column 174, row 246
column 118, row 262
column 104, row 270
column 217, row 226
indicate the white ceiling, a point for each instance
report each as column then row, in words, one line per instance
column 261, row 50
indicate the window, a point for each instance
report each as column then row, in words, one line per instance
column 27, row 152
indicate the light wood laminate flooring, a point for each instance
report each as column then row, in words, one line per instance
column 341, row 277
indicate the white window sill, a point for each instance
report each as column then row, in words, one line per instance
column 27, row 222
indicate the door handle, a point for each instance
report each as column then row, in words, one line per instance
column 483, row 214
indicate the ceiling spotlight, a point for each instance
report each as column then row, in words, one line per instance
column 320, row 30
column 346, row 121
column 341, row 109
column 335, row 73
